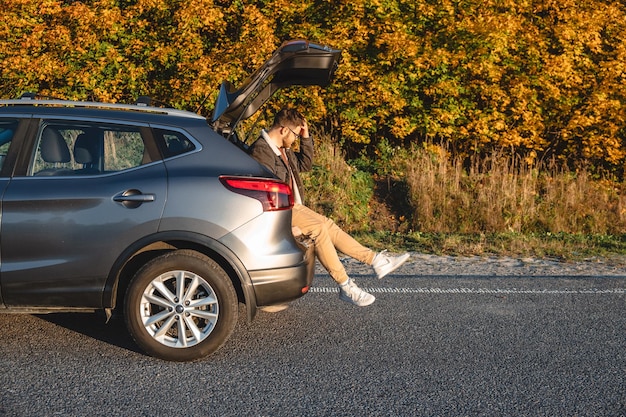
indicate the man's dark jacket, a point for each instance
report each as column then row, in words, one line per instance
column 301, row 161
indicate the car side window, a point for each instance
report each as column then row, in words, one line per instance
column 124, row 149
column 7, row 130
column 175, row 142
column 82, row 149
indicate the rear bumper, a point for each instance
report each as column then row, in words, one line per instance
column 281, row 285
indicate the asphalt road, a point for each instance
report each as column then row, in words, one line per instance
column 429, row 346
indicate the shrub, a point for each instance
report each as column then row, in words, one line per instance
column 337, row 189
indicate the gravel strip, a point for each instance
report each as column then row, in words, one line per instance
column 430, row 265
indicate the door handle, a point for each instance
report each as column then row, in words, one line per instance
column 133, row 198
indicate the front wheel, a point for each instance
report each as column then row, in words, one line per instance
column 181, row 306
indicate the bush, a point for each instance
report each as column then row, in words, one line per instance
column 337, row 189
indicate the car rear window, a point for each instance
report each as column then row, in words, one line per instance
column 175, row 143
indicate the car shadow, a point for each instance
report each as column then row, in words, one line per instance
column 95, row 326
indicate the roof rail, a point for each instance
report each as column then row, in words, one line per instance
column 31, row 99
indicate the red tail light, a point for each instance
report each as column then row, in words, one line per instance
column 273, row 194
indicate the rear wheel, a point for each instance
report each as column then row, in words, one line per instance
column 181, row 306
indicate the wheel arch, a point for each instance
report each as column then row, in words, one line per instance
column 142, row 251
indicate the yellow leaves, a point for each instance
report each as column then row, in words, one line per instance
column 597, row 127
column 396, row 45
column 46, row 7
column 201, row 13
column 538, row 76
column 145, row 5
column 401, row 127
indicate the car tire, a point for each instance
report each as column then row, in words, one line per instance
column 181, row 292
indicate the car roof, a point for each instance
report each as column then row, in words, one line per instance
column 91, row 108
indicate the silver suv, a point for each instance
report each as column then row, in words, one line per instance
column 149, row 210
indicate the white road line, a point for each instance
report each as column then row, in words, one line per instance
column 382, row 290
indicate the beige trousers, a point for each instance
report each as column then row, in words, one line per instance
column 329, row 239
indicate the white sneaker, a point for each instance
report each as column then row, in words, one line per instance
column 385, row 264
column 351, row 293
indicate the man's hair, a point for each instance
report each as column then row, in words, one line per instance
column 288, row 116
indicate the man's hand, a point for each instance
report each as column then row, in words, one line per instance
column 304, row 130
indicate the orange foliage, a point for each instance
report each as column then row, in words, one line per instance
column 543, row 78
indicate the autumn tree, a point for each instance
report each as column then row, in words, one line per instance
column 540, row 78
